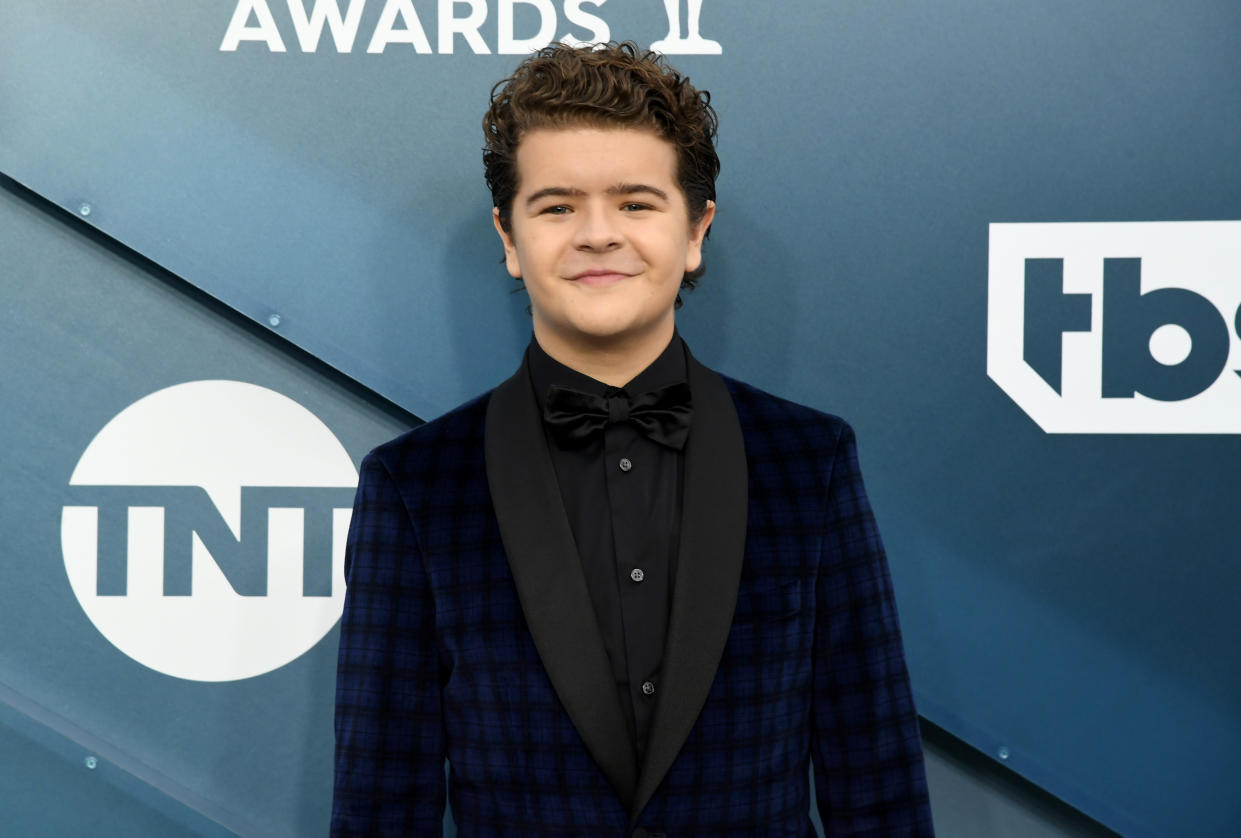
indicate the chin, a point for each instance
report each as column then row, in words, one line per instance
column 604, row 334
column 607, row 325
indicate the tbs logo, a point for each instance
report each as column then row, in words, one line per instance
column 207, row 535
column 1118, row 327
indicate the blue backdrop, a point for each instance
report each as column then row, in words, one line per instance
column 1069, row 600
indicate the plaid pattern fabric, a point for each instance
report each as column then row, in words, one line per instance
column 436, row 660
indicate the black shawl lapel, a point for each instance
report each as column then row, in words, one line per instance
column 712, row 546
column 549, row 578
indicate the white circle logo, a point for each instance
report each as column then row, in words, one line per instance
column 208, row 539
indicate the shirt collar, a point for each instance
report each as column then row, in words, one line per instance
column 546, row 372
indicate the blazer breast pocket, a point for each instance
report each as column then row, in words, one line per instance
column 770, row 630
column 768, row 600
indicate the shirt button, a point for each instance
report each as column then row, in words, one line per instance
column 625, row 464
column 636, row 574
column 648, row 688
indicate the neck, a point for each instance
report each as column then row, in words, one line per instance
column 613, row 362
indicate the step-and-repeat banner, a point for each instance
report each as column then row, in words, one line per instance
column 1002, row 239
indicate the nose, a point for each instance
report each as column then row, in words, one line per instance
column 597, row 230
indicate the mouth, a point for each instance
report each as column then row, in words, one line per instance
column 599, row 276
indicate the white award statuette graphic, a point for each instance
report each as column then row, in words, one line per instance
column 207, row 536
column 1118, row 327
column 693, row 43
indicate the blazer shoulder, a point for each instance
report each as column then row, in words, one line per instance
column 450, row 438
column 765, row 414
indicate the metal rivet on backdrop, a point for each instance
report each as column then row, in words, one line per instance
column 274, row 320
column 1002, row 753
column 85, row 209
column 91, row 762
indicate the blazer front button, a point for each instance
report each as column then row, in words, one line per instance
column 625, row 464
column 648, row 688
column 636, row 574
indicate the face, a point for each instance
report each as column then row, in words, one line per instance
column 601, row 236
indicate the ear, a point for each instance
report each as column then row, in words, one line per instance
column 697, row 232
column 510, row 249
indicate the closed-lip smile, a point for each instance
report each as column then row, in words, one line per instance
column 599, row 276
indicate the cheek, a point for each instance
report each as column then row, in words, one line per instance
column 680, row 258
column 526, row 256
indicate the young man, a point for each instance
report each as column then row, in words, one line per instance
column 621, row 594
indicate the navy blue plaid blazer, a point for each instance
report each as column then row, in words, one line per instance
column 468, row 634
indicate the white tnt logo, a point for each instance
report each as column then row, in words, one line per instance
column 208, row 538
column 1118, row 327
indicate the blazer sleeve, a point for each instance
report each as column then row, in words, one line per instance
column 389, row 768
column 867, row 751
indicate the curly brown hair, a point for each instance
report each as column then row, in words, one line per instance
column 608, row 85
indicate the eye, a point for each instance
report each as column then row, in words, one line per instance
column 634, row 206
column 556, row 209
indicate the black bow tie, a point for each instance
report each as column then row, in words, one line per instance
column 662, row 414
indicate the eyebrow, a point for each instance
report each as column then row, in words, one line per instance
column 636, row 188
column 618, row 189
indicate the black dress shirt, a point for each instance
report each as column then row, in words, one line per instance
column 622, row 495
